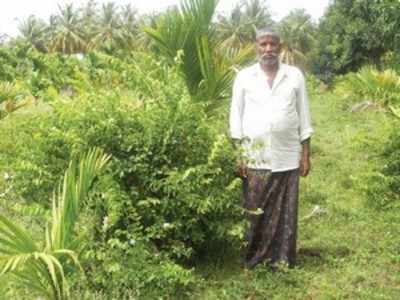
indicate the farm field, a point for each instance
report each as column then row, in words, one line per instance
column 118, row 174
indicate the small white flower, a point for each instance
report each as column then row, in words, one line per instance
column 132, row 242
column 7, row 176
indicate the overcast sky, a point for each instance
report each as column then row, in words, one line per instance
column 14, row 10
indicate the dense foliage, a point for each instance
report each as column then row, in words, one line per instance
column 44, row 270
column 153, row 93
column 383, row 185
column 354, row 33
column 170, row 187
column 379, row 87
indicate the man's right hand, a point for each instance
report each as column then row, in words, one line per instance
column 241, row 170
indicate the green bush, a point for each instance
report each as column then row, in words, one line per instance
column 383, row 187
column 171, row 187
column 391, row 60
column 118, row 267
column 8, row 63
column 174, row 166
column 381, row 87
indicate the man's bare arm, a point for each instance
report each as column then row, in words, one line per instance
column 305, row 163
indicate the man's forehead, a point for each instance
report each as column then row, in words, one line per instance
column 267, row 32
column 267, row 38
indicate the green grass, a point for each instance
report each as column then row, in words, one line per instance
column 347, row 252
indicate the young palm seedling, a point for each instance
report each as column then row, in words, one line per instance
column 41, row 266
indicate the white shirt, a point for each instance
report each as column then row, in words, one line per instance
column 273, row 121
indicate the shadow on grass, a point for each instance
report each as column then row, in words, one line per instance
column 316, row 256
column 219, row 261
column 223, row 262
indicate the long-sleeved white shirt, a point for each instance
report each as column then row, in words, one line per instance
column 271, row 121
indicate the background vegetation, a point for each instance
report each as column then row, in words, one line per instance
column 159, row 214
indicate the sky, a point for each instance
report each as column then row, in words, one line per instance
column 13, row 11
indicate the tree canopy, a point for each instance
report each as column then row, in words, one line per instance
column 352, row 33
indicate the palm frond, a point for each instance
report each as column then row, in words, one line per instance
column 76, row 185
column 206, row 69
column 14, row 239
column 180, row 30
column 43, row 271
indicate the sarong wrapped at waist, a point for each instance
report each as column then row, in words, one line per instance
column 271, row 202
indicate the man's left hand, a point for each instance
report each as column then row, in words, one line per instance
column 305, row 166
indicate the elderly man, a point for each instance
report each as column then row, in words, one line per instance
column 270, row 119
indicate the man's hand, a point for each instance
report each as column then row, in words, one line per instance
column 241, row 169
column 305, row 166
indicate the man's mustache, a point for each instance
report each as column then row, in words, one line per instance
column 269, row 55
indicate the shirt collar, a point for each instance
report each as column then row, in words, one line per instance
column 282, row 72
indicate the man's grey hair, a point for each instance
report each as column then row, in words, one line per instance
column 267, row 31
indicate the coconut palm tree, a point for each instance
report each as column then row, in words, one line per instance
column 238, row 28
column 67, row 35
column 130, row 27
column 34, row 31
column 109, row 28
column 42, row 267
column 89, row 19
column 297, row 35
column 234, row 29
column 257, row 10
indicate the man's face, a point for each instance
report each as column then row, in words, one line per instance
column 268, row 49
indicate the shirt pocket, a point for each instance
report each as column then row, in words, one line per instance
column 285, row 97
column 285, row 117
column 257, row 95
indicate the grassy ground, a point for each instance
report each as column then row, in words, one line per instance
column 347, row 251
